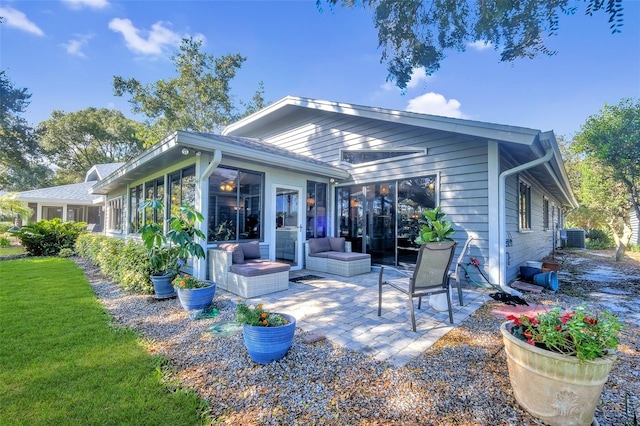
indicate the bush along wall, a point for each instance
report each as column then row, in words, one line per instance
column 48, row 237
column 123, row 261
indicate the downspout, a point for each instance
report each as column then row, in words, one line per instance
column 201, row 264
column 502, row 225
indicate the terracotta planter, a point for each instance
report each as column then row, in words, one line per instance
column 266, row 344
column 197, row 298
column 557, row 389
column 553, row 266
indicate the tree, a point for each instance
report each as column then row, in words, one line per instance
column 417, row 33
column 18, row 146
column 76, row 141
column 13, row 208
column 609, row 142
column 198, row 99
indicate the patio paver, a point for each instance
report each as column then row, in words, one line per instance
column 345, row 310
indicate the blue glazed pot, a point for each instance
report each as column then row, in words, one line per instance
column 197, row 298
column 266, row 344
column 162, row 286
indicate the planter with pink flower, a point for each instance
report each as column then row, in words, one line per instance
column 559, row 362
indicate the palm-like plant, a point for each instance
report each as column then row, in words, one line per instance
column 168, row 252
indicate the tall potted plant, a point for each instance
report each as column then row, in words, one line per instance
column 559, row 361
column 169, row 251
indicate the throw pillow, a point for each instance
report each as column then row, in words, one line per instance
column 318, row 245
column 336, row 243
column 251, row 250
column 237, row 255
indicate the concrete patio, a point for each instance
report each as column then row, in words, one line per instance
column 345, row 311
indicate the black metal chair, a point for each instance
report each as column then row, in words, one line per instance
column 431, row 276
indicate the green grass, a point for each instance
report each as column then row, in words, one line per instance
column 62, row 362
column 8, row 251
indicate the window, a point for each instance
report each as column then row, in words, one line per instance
column 154, row 190
column 545, row 214
column 182, row 189
column 115, row 214
column 235, row 205
column 524, row 206
column 316, row 209
column 135, row 216
column 366, row 156
column 75, row 213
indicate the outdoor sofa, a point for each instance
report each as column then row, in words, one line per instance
column 333, row 255
column 238, row 269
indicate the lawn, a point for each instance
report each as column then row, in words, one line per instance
column 12, row 250
column 63, row 362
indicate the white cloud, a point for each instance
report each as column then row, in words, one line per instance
column 92, row 4
column 436, row 104
column 480, row 45
column 418, row 76
column 16, row 19
column 74, row 46
column 156, row 40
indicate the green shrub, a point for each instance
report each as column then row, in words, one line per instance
column 597, row 239
column 48, row 237
column 124, row 262
column 65, row 252
column 4, row 226
column 4, row 241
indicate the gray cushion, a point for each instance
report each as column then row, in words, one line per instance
column 254, row 269
column 322, row 254
column 318, row 245
column 251, row 250
column 336, row 243
column 348, row 257
column 237, row 255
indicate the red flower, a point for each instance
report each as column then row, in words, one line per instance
column 589, row 320
column 515, row 319
column 566, row 317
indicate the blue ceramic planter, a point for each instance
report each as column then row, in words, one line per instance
column 197, row 298
column 162, row 286
column 266, row 344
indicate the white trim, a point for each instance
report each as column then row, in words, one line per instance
column 301, row 224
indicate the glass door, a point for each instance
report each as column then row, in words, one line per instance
column 289, row 213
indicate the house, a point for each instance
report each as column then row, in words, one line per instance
column 303, row 168
column 71, row 202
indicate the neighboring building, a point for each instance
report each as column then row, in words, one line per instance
column 71, row 202
column 301, row 168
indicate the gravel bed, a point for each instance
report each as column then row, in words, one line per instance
column 461, row 380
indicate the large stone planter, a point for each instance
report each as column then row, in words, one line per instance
column 557, row 389
column 197, row 298
column 266, row 344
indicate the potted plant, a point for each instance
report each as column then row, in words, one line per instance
column 169, row 251
column 267, row 335
column 435, row 230
column 559, row 361
column 434, row 227
column 194, row 293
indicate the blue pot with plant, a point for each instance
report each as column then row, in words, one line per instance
column 169, row 250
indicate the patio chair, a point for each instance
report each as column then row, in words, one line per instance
column 430, row 276
column 458, row 269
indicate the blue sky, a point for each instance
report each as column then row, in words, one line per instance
column 67, row 52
